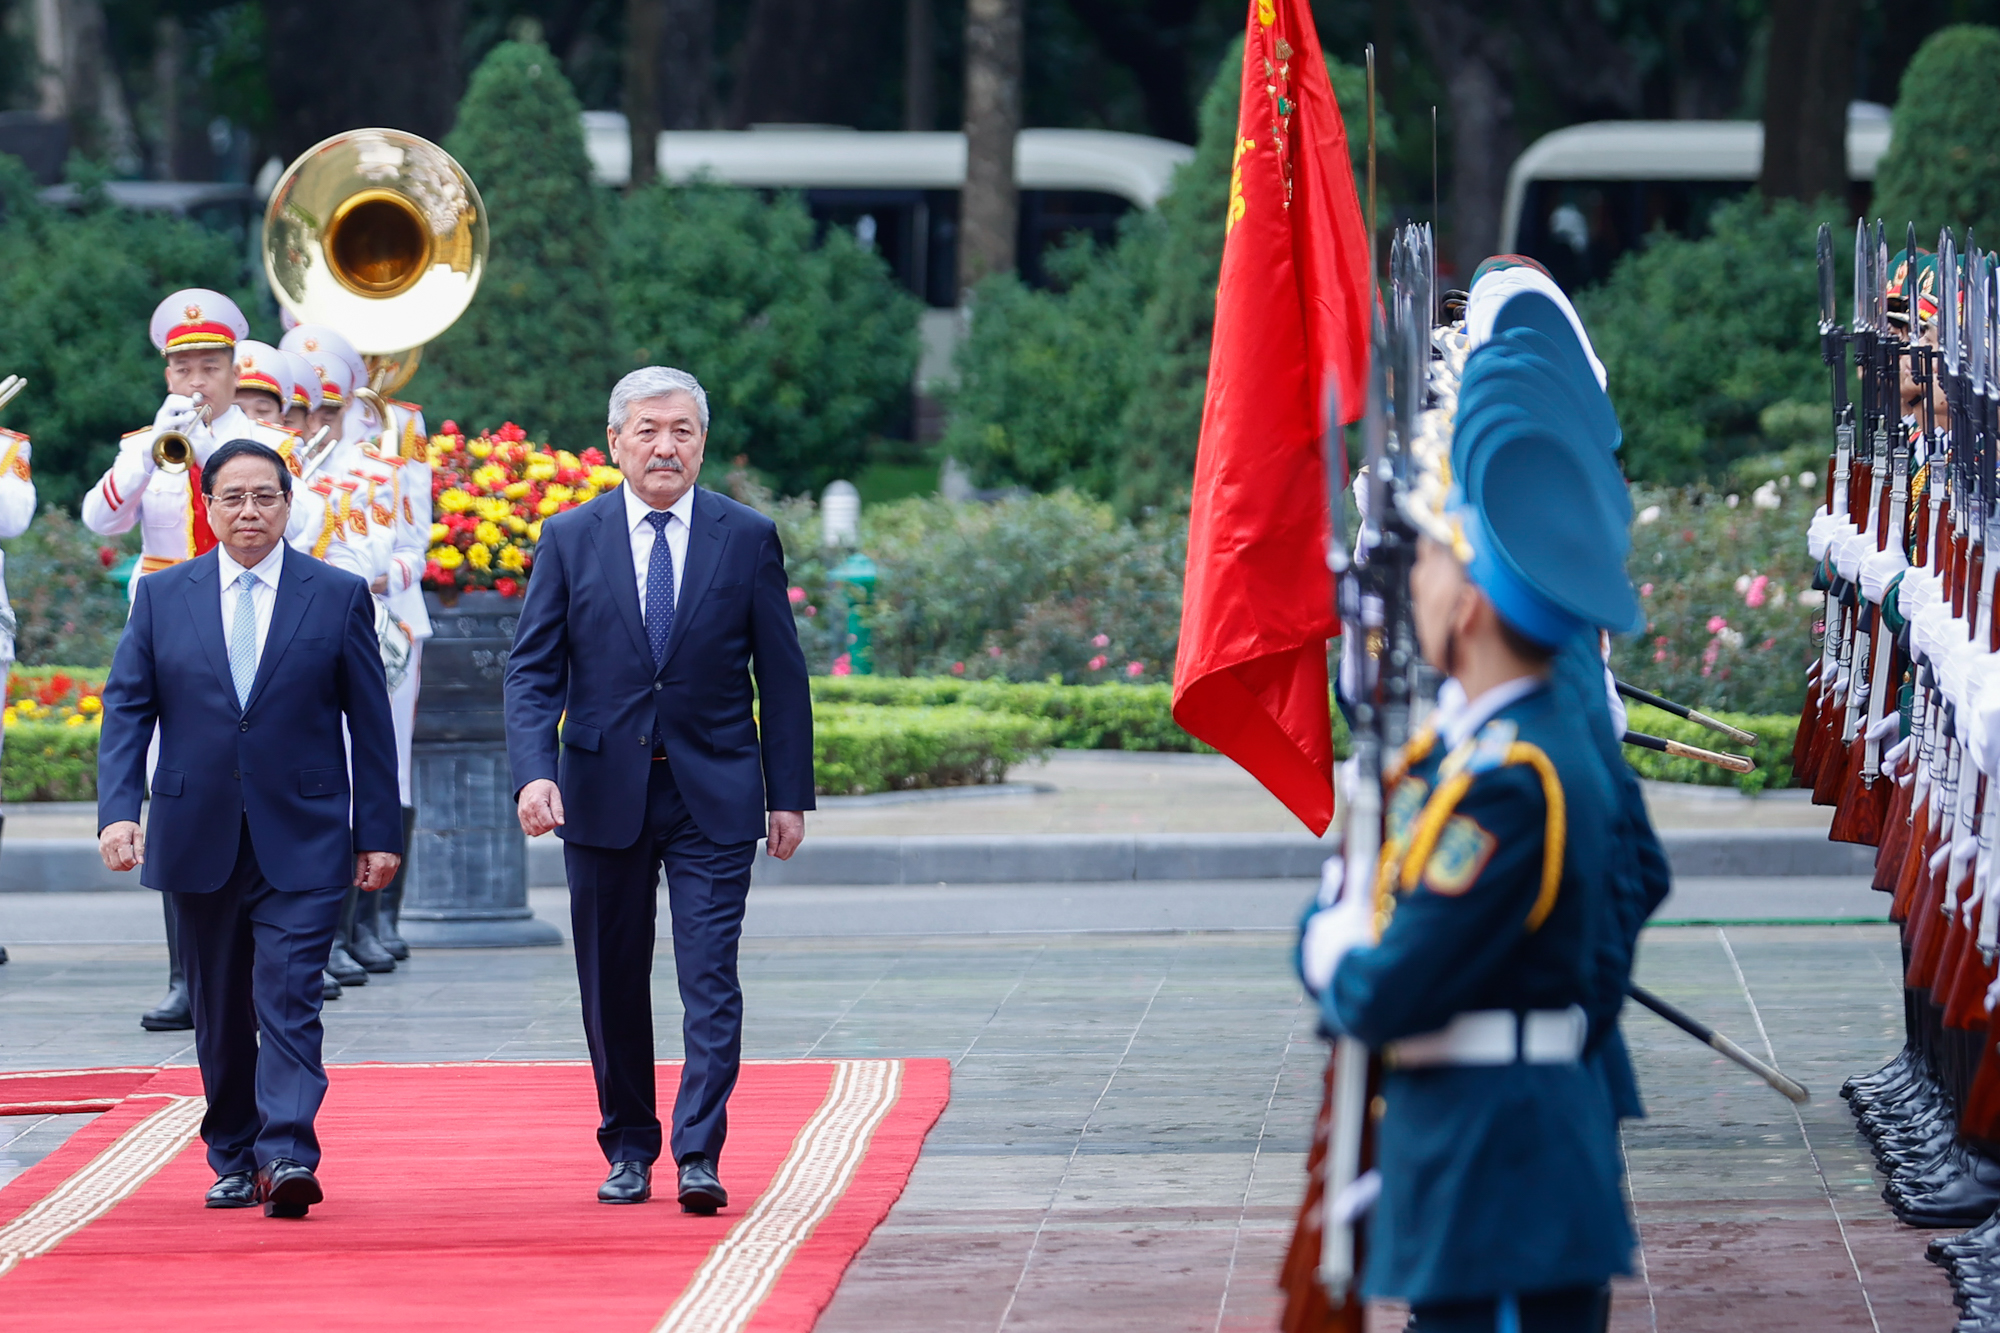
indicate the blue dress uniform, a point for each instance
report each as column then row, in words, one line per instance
column 1517, row 868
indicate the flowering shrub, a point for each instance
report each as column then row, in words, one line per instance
column 64, row 696
column 1727, row 590
column 489, row 495
column 1029, row 588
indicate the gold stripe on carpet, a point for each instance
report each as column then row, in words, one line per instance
column 740, row 1271
column 111, row 1176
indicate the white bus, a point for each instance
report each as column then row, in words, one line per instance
column 898, row 191
column 1580, row 197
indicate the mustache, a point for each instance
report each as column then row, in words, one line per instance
column 664, row 465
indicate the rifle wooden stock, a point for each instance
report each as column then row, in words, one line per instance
column 1722, row 1045
column 1735, row 763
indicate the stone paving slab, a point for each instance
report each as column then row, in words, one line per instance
column 1125, row 1140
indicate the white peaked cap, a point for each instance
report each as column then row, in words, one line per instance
column 1482, row 307
column 197, row 318
column 305, row 379
column 263, row 367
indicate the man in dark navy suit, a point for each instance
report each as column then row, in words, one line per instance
column 656, row 630
column 249, row 658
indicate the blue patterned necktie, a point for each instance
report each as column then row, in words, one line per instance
column 243, row 639
column 659, row 588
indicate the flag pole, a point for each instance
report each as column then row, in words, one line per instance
column 1371, row 163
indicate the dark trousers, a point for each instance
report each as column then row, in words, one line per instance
column 254, row 959
column 614, row 908
column 1569, row 1310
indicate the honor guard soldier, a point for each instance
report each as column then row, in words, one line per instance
column 17, row 510
column 403, row 447
column 1483, row 959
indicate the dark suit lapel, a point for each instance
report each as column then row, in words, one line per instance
column 204, row 604
column 295, row 594
column 614, row 552
column 708, row 536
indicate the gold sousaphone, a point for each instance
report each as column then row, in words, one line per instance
column 382, row 235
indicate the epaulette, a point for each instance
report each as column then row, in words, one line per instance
column 1496, row 745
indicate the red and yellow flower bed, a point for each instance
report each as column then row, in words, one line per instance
column 489, row 495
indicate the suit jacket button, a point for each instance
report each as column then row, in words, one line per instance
column 659, row 684
column 243, row 726
column 644, row 739
column 234, row 773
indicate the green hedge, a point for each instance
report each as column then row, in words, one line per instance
column 859, row 749
column 1081, row 717
column 1773, row 751
column 47, row 761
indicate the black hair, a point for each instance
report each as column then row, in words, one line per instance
column 239, row 449
column 1533, row 651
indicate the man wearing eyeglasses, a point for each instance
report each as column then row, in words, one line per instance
column 256, row 912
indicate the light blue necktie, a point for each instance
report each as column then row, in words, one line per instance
column 243, row 639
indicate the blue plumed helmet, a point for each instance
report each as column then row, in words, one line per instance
column 1537, row 492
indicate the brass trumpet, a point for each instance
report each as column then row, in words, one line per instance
column 10, row 385
column 173, row 451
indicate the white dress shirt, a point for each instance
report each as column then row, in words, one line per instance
column 641, row 532
column 263, row 593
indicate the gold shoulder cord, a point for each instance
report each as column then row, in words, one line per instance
column 1403, row 868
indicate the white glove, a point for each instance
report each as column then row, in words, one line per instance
column 1333, row 931
column 1878, row 568
column 1819, row 532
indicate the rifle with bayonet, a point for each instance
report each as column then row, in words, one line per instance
column 1833, row 343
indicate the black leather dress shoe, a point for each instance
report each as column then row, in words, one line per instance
column 701, row 1189
column 238, row 1189
column 286, row 1189
column 172, row 1014
column 629, row 1182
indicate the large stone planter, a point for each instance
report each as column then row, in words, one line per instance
column 468, row 880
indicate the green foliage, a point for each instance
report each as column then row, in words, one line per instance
column 1773, row 751
column 1082, row 717
column 1028, row 588
column 1098, row 384
column 47, row 761
column 805, row 346
column 536, row 346
column 1700, row 337
column 1046, row 377
column 1943, row 164
column 67, row 605
column 864, row 749
column 1728, row 596
column 78, row 290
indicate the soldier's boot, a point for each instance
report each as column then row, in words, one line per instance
column 329, row 988
column 340, row 963
column 363, row 944
column 174, row 1013
column 390, row 917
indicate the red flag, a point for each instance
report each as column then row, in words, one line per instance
column 1291, row 311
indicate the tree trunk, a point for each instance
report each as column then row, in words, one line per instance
column 687, row 64
column 169, row 54
column 384, row 62
column 810, row 62
column 919, row 66
column 78, row 81
column 989, row 206
column 1808, row 79
column 1475, row 58
column 643, row 23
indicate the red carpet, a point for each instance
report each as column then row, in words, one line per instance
column 461, row 1197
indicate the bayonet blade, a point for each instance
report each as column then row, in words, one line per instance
column 1860, row 320
column 1824, row 253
